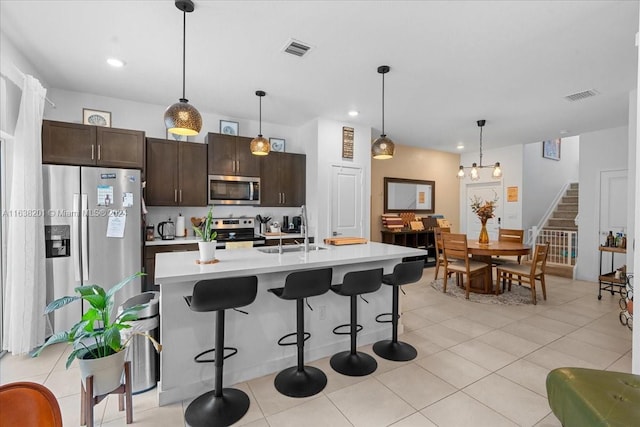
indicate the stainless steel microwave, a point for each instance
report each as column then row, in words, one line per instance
column 234, row 190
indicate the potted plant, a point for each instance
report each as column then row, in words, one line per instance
column 96, row 338
column 207, row 247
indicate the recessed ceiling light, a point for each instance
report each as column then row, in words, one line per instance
column 115, row 62
column 460, row 146
column 353, row 113
column 564, row 132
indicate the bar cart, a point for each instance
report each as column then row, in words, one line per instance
column 609, row 281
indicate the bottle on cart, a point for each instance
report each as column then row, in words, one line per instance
column 611, row 241
column 623, row 241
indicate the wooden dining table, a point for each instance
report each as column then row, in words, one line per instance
column 484, row 253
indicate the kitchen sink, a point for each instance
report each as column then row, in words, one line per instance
column 289, row 248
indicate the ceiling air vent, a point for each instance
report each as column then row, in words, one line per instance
column 581, row 95
column 296, row 48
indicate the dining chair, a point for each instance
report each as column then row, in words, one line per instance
column 508, row 235
column 456, row 260
column 29, row 404
column 437, row 237
column 526, row 273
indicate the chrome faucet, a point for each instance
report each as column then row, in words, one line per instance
column 305, row 228
column 280, row 241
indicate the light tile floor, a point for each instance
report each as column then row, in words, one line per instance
column 478, row 364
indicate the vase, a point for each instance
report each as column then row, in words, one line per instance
column 107, row 372
column 207, row 250
column 483, row 239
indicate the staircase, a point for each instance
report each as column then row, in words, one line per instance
column 561, row 233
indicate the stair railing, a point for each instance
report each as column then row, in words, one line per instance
column 532, row 233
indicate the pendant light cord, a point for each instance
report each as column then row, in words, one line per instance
column 184, row 48
column 260, row 126
column 383, row 134
column 481, row 146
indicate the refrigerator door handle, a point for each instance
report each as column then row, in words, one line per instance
column 76, row 236
column 84, row 218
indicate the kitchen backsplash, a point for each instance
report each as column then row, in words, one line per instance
column 157, row 214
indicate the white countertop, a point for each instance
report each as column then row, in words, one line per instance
column 175, row 267
column 177, row 241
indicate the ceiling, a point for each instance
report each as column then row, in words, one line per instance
column 452, row 62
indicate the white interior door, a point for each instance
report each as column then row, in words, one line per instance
column 613, row 202
column 485, row 191
column 346, row 201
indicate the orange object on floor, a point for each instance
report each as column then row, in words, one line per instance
column 28, row 404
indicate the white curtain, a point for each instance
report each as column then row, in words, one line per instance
column 25, row 293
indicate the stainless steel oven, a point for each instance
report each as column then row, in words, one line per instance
column 234, row 190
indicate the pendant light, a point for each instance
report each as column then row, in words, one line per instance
column 474, row 173
column 259, row 145
column 183, row 118
column 383, row 147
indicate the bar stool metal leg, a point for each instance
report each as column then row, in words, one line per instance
column 393, row 349
column 353, row 363
column 300, row 380
column 222, row 406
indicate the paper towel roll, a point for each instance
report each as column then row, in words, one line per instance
column 180, row 230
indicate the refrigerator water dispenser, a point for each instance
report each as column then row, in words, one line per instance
column 57, row 241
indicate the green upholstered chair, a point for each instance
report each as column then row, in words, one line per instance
column 581, row 397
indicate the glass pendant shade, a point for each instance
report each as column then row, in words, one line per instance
column 475, row 175
column 260, row 146
column 382, row 148
column 497, row 171
column 183, row 118
column 461, row 172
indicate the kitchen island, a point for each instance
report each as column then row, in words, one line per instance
column 185, row 333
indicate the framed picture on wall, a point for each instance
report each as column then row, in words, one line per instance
column 96, row 117
column 551, row 149
column 228, row 128
column 277, row 144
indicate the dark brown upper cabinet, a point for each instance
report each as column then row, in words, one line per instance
column 86, row 145
column 283, row 179
column 231, row 155
column 176, row 173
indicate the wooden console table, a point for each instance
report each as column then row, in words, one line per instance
column 608, row 281
column 414, row 239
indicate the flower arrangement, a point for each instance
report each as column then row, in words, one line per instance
column 484, row 210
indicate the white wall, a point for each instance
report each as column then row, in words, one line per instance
column 544, row 178
column 599, row 151
column 511, row 162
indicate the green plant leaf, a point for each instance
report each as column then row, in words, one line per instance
column 97, row 301
column 60, row 302
column 72, row 356
column 53, row 339
column 87, row 290
column 119, row 286
column 112, row 338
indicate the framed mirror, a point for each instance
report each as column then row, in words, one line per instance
column 409, row 195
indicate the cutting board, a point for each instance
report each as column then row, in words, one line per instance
column 337, row 241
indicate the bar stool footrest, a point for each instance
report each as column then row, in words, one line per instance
column 198, row 356
column 385, row 321
column 337, row 332
column 356, row 364
column 305, row 382
column 209, row 410
column 395, row 350
column 307, row 335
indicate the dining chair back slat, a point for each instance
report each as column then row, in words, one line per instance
column 437, row 238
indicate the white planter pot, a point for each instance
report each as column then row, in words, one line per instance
column 207, row 250
column 107, row 372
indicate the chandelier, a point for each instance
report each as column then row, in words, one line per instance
column 474, row 173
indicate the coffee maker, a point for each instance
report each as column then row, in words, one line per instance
column 297, row 222
column 285, row 223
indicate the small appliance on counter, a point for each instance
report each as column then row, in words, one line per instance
column 296, row 221
column 149, row 234
column 285, row 223
column 167, row 230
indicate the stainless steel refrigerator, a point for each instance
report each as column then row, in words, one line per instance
column 92, row 233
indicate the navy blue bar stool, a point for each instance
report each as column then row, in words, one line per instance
column 355, row 363
column 300, row 380
column 222, row 406
column 403, row 274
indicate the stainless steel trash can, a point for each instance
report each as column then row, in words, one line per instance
column 140, row 351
